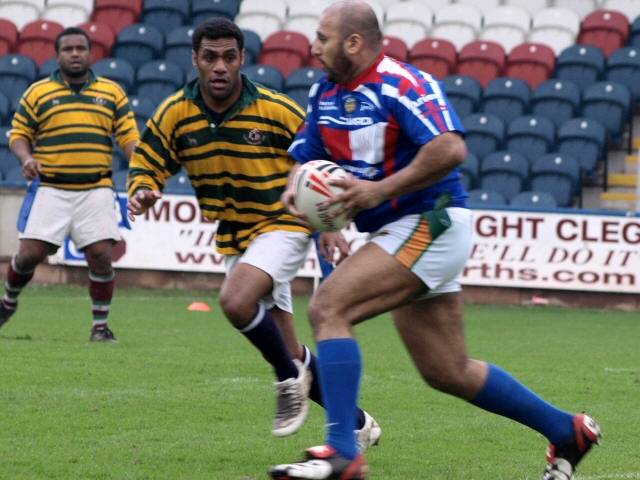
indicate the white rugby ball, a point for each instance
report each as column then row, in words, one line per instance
column 312, row 188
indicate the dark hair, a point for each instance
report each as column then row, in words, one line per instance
column 71, row 31
column 215, row 28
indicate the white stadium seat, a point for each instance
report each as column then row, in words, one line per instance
column 581, row 7
column 460, row 24
column 483, row 5
column 631, row 8
column 262, row 16
column 19, row 12
column 532, row 6
column 67, row 15
column 506, row 25
column 303, row 16
column 409, row 21
column 555, row 27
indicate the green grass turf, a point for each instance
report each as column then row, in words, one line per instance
column 183, row 396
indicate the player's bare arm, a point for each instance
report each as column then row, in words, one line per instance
column 128, row 149
column 142, row 201
column 31, row 168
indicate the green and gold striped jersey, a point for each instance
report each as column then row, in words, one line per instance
column 70, row 133
column 238, row 168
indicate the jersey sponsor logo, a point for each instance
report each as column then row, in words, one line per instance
column 327, row 106
column 192, row 141
column 99, row 101
column 360, row 121
column 366, row 107
column 254, row 137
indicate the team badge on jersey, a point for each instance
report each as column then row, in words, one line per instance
column 100, row 101
column 254, row 137
column 350, row 105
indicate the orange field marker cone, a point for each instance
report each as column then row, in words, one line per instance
column 199, row 307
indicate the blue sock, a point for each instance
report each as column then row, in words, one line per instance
column 265, row 335
column 315, row 393
column 340, row 368
column 506, row 396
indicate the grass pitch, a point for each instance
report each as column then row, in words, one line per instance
column 183, row 396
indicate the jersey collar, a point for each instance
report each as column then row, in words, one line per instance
column 353, row 84
column 56, row 76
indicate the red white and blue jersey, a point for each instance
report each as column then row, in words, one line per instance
column 374, row 126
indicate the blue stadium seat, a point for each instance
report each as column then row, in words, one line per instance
column 505, row 173
column 299, row 81
column 142, row 108
column 485, row 199
column 534, row 200
column 610, row 104
column 158, row 79
column 557, row 100
column 116, row 69
column 7, row 159
column 470, row 171
column 165, row 15
column 581, row 64
column 120, row 180
column 266, row 75
column 623, row 66
column 485, row 133
column 202, row 10
column 585, row 140
column 464, row 93
column 5, row 110
column 179, row 184
column 507, row 98
column 556, row 174
column 14, row 178
column 17, row 72
column 252, row 46
column 178, row 48
column 138, row 44
column 530, row 136
column 47, row 68
column 634, row 38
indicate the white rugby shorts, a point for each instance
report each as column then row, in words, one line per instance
column 434, row 245
column 280, row 254
column 87, row 216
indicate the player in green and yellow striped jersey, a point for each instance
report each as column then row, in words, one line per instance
column 232, row 137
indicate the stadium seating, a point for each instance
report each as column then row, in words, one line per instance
column 262, row 16
column 635, row 33
column 8, row 160
column 631, row 8
column 395, row 48
column 557, row 100
column 158, row 79
column 14, row 178
column 532, row 62
column 458, row 23
column 623, row 66
column 36, row 40
column 480, row 198
column 483, row 5
column 470, row 171
column 303, row 16
column 179, row 184
column 8, row 36
column 435, row 56
column 286, row 51
column 298, row 83
column 532, row 6
column 5, row 110
column 17, row 72
column 47, row 68
column 464, row 93
column 142, row 108
column 556, row 174
column 505, row 173
column 581, row 7
column 581, row 64
column 165, row 15
column 202, row 10
column 252, row 46
column 102, row 39
column 118, row 14
column 116, row 69
column 507, row 98
column 610, row 104
column 531, row 136
column 178, row 48
column 585, row 140
column 482, row 60
column 138, row 44
column 555, row 27
column 534, row 200
column 410, row 21
column 266, row 75
column 485, row 133
column 20, row 13
column 605, row 29
column 67, row 12
column 506, row 25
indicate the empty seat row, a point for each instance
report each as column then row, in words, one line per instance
column 529, row 200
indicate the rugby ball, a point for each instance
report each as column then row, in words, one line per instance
column 312, row 188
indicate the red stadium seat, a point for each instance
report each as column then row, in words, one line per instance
column 435, row 56
column 102, row 39
column 118, row 14
column 37, row 40
column 482, row 60
column 395, row 48
column 285, row 50
column 532, row 62
column 8, row 36
column 606, row 29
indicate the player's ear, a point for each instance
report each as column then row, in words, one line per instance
column 353, row 43
column 194, row 58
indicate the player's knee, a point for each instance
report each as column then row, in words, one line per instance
column 323, row 314
column 236, row 309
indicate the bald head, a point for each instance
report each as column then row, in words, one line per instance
column 356, row 17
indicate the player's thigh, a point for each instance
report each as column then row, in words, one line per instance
column 47, row 216
column 94, row 217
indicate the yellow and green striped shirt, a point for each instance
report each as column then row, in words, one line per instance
column 70, row 133
column 239, row 167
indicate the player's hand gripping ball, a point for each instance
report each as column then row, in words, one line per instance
column 312, row 189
